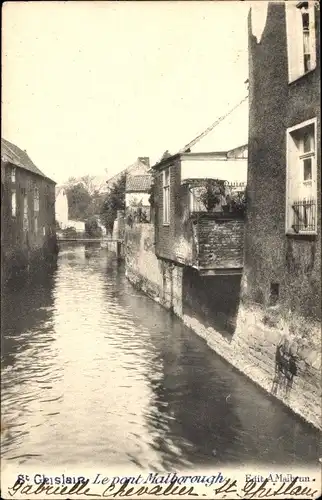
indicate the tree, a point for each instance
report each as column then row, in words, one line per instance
column 79, row 202
column 88, row 183
column 114, row 201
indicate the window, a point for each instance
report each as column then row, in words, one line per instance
column 301, row 45
column 36, row 209
column 25, row 211
column 13, row 174
column 36, row 200
column 13, row 203
column 166, row 196
column 274, row 294
column 301, row 188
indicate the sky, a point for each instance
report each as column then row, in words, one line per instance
column 90, row 86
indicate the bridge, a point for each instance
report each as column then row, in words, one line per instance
column 87, row 240
column 113, row 245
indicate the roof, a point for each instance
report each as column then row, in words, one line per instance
column 11, row 153
column 138, row 183
column 113, row 180
column 138, row 166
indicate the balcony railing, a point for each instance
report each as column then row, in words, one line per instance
column 304, row 216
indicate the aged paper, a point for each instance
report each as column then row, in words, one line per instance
column 160, row 250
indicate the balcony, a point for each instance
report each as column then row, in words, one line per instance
column 217, row 215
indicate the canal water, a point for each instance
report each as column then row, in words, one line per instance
column 95, row 372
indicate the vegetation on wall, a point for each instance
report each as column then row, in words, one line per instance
column 212, row 194
column 218, row 196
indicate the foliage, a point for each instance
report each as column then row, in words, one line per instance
column 114, row 201
column 237, row 202
column 217, row 195
column 212, row 193
column 79, row 202
column 152, row 195
column 84, row 199
column 92, row 228
column 138, row 215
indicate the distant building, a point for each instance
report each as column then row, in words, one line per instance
column 140, row 167
column 27, row 210
column 138, row 182
column 61, row 207
column 137, row 196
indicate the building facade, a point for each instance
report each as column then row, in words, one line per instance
column 27, row 211
column 189, row 230
column 283, row 252
column 281, row 291
column 137, row 197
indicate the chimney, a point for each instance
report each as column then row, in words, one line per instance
column 145, row 160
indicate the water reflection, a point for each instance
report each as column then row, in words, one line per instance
column 95, row 372
column 26, row 307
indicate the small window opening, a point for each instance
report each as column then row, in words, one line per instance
column 274, row 294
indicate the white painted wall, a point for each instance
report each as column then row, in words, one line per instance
column 132, row 198
column 229, row 170
column 61, row 209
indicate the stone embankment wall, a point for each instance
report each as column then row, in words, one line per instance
column 253, row 351
column 142, row 267
column 292, row 373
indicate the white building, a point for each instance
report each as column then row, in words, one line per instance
column 61, row 207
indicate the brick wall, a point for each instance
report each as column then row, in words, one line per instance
column 220, row 243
